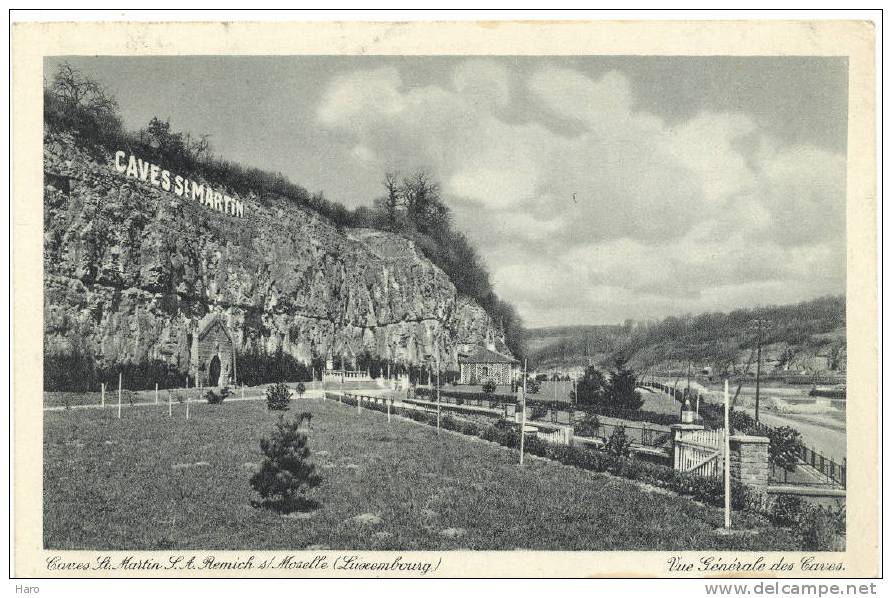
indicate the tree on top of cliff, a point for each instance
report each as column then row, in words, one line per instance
column 73, row 87
column 414, row 207
column 74, row 102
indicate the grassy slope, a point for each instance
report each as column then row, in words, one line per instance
column 112, row 484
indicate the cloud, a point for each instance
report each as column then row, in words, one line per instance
column 483, row 83
column 357, row 99
column 585, row 206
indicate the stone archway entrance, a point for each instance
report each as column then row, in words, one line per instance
column 214, row 372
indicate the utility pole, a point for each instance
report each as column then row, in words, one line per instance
column 758, row 323
column 523, row 409
column 727, row 460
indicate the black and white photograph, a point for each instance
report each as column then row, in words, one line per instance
column 314, row 307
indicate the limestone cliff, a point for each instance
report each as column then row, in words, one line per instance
column 130, row 272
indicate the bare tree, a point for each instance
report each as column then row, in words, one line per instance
column 70, row 85
column 421, row 195
column 390, row 203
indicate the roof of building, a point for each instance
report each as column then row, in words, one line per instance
column 209, row 324
column 484, row 355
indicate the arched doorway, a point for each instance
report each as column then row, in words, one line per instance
column 214, row 372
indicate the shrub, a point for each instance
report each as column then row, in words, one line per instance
column 214, row 398
column 819, row 528
column 588, row 426
column 787, row 510
column 300, row 389
column 286, row 473
column 277, row 397
column 489, row 389
column 783, row 448
column 501, row 432
column 818, row 532
column 618, row 444
column 538, row 411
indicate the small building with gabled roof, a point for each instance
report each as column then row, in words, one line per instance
column 482, row 364
column 213, row 353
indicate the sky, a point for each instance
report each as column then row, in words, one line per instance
column 595, row 188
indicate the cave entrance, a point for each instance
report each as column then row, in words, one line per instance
column 214, row 372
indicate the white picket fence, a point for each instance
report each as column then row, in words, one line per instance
column 560, row 436
column 700, row 452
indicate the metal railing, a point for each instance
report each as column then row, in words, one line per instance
column 642, row 435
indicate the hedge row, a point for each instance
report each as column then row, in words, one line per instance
column 638, row 415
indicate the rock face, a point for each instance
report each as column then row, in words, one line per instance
column 132, row 271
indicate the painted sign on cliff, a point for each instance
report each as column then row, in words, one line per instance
column 143, row 170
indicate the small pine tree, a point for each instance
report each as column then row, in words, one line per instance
column 287, row 473
column 618, row 444
column 277, row 397
column 300, row 389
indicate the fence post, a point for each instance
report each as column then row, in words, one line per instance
column 120, row 380
column 189, row 398
column 169, row 404
column 388, row 410
column 103, row 394
column 156, row 393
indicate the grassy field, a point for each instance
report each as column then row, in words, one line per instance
column 147, row 481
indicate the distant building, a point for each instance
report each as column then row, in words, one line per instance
column 483, row 364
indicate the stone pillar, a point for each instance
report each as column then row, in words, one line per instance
column 749, row 462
